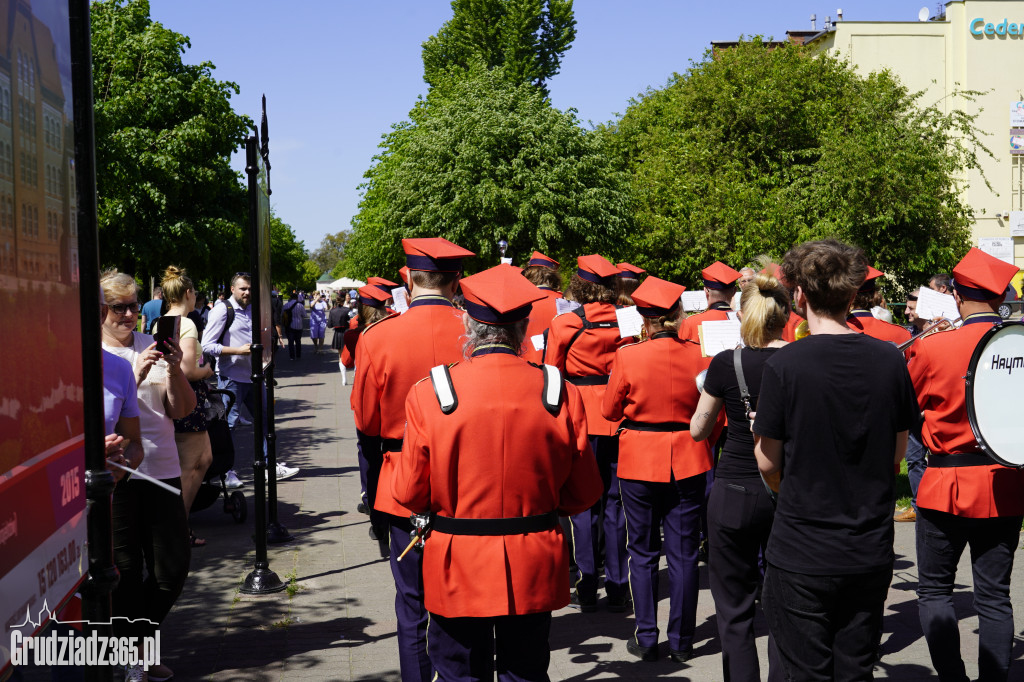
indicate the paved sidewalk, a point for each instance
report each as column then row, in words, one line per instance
column 337, row 622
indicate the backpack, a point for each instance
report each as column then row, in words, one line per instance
column 229, row 319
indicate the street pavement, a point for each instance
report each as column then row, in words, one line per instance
column 336, row 621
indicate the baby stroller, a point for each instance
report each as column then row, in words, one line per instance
column 214, row 484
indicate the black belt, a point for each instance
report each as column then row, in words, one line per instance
column 391, row 444
column 966, row 459
column 660, row 427
column 595, row 380
column 513, row 526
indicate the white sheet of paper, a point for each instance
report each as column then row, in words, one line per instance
column 694, row 300
column 506, row 261
column 630, row 321
column 401, row 303
column 538, row 342
column 931, row 305
column 733, row 315
column 563, row 305
column 719, row 335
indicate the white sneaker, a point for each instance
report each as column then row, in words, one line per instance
column 135, row 673
column 233, row 480
column 284, row 472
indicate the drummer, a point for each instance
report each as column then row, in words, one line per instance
column 964, row 497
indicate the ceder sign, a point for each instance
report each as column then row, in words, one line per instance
column 1005, row 28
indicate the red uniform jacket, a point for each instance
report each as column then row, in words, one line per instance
column 866, row 323
column 654, row 381
column 348, row 351
column 500, row 454
column 590, row 356
column 393, row 355
column 540, row 321
column 688, row 327
column 789, row 331
column 937, row 366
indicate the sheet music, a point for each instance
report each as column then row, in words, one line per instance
column 931, row 305
column 694, row 301
column 538, row 342
column 630, row 321
column 563, row 305
column 719, row 335
column 401, row 303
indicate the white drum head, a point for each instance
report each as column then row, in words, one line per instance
column 995, row 385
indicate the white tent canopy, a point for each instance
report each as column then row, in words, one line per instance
column 345, row 283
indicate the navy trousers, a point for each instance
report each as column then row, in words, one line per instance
column 466, row 648
column 409, row 610
column 941, row 539
column 740, row 517
column 370, row 450
column 364, row 463
column 605, row 515
column 676, row 505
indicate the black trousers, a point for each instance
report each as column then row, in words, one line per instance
column 827, row 627
column 151, row 551
column 740, row 517
column 294, row 337
column 465, row 649
column 941, row 539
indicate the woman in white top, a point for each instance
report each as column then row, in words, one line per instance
column 194, row 452
column 150, row 529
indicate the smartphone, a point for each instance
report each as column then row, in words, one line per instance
column 166, row 327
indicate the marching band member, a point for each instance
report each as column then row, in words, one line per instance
column 740, row 510
column 832, row 420
column 964, row 498
column 582, row 345
column 661, row 467
column 862, row 320
column 393, row 355
column 495, row 563
column 719, row 287
column 543, row 273
column 626, row 282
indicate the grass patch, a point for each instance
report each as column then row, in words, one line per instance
column 903, row 494
column 283, row 623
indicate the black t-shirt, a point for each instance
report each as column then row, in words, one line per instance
column 836, row 402
column 737, row 459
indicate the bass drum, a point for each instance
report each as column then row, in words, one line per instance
column 995, row 386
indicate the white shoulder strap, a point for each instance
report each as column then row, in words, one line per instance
column 443, row 389
column 552, row 397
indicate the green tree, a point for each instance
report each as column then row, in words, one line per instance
column 526, row 37
column 287, row 254
column 165, row 131
column 483, row 159
column 329, row 255
column 755, row 149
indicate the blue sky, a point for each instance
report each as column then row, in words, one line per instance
column 338, row 73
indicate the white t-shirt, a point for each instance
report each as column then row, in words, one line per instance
column 161, row 452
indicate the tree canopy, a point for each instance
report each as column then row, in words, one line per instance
column 165, row 131
column 755, row 149
column 526, row 37
column 329, row 255
column 487, row 158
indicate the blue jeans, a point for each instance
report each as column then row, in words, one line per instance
column 243, row 394
column 917, row 462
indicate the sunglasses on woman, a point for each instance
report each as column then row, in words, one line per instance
column 122, row 308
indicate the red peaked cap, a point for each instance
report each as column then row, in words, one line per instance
column 981, row 277
column 718, row 275
column 869, row 281
column 372, row 295
column 543, row 261
column 404, row 273
column 434, row 254
column 382, row 284
column 499, row 295
column 595, row 268
column 629, row 270
column 656, row 297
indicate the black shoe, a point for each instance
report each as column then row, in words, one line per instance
column 618, row 604
column 385, row 549
column 373, row 533
column 680, row 656
column 584, row 605
column 362, row 508
column 644, row 653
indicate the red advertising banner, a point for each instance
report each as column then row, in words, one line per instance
column 42, row 465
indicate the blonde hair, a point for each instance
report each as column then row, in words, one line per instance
column 766, row 305
column 670, row 322
column 117, row 285
column 176, row 284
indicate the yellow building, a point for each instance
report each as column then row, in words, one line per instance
column 974, row 45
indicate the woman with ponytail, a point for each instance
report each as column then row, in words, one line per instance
column 740, row 510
